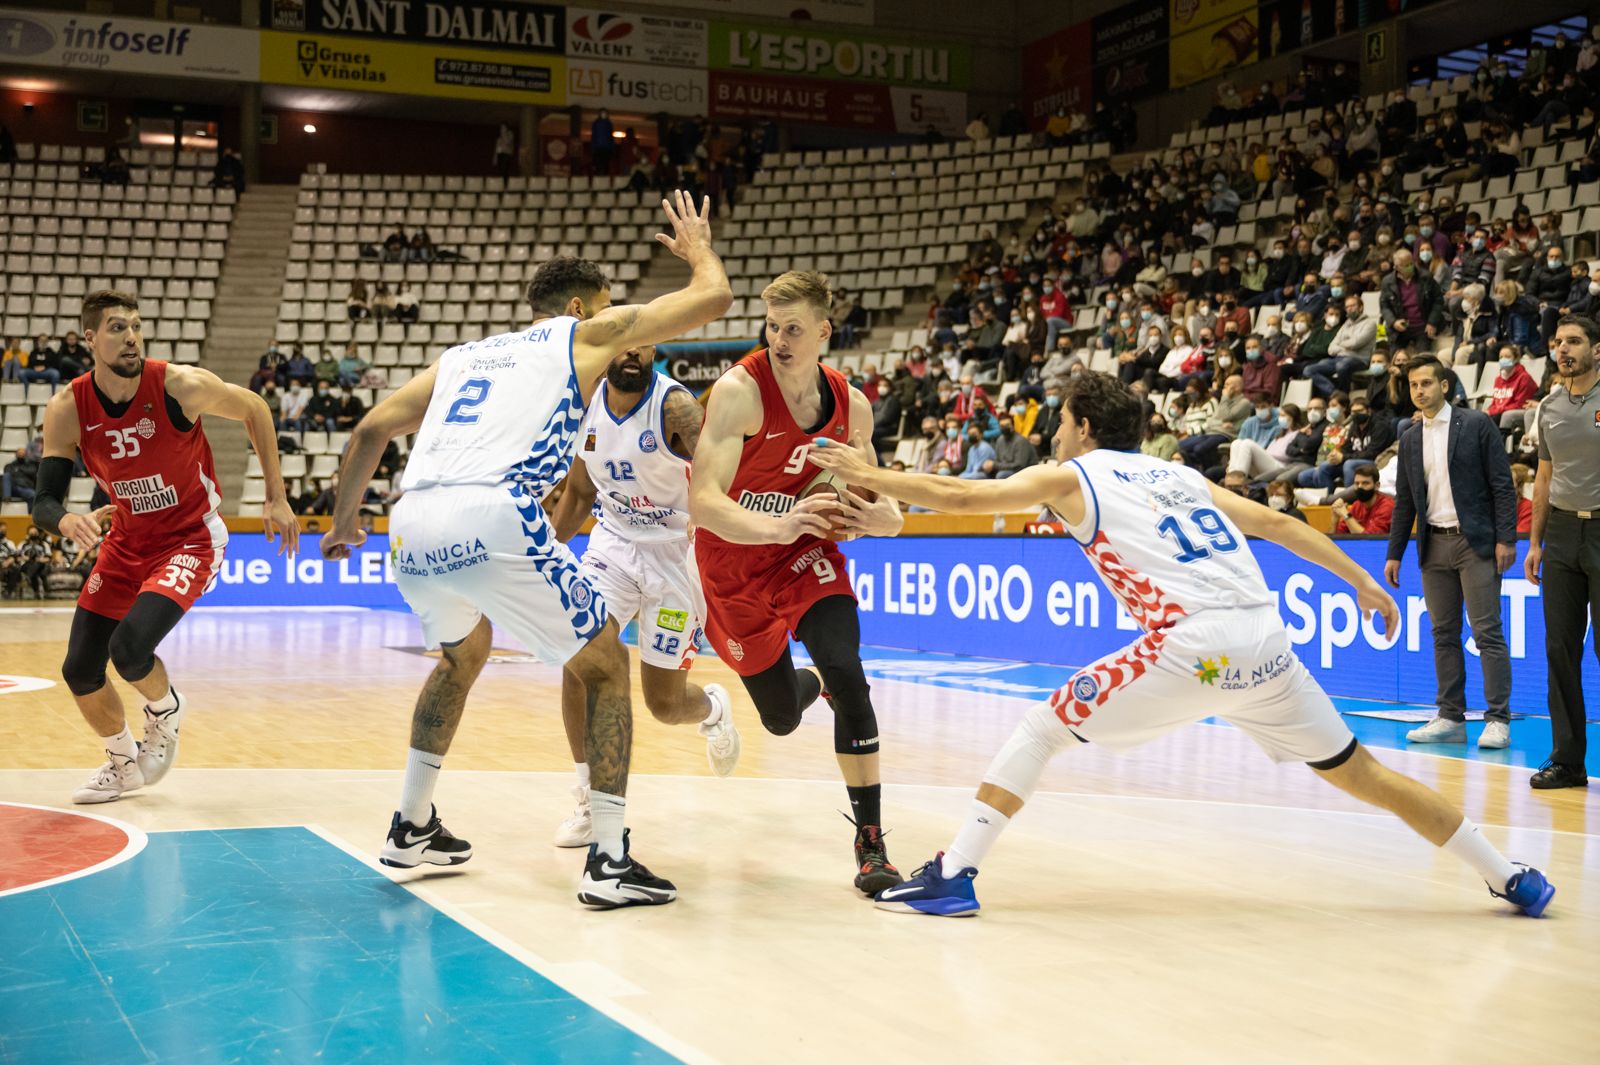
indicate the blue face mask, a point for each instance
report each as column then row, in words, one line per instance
column 1477, row 244
column 1052, row 401
column 1336, row 290
column 1253, row 354
column 1426, row 231
column 952, row 432
column 1506, row 364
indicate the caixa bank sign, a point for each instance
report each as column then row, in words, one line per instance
column 45, row 38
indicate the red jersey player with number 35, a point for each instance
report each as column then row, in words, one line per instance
column 766, row 564
column 136, row 424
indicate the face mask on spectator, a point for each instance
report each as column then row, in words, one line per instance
column 1335, row 412
column 1314, row 415
column 1283, row 421
column 1555, row 262
column 1253, row 354
column 1300, row 327
column 1426, row 231
column 1278, row 503
column 952, row 432
column 1366, row 494
column 1172, row 412
column 1111, row 302
column 1125, row 322
column 1426, row 256
column 1251, row 260
column 1146, row 315
column 1331, row 321
column 1387, row 169
column 1204, row 308
column 1336, row 291
column 944, row 471
column 1477, row 243
column 1052, row 401
column 1355, row 245
column 1277, row 253
column 1378, row 369
column 1507, row 364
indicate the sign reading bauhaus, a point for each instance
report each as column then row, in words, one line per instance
column 80, row 41
column 660, row 39
column 488, row 23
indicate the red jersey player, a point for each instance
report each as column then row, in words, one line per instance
column 136, row 424
column 766, row 569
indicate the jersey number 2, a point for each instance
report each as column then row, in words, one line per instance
column 473, row 392
column 1211, row 527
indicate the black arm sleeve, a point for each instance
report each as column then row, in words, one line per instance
column 55, row 475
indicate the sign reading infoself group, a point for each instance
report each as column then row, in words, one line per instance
column 81, row 41
column 1032, row 599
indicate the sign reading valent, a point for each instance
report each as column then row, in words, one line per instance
column 662, row 40
column 491, row 23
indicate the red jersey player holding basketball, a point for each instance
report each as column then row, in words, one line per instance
column 136, row 423
column 1171, row 546
column 764, row 563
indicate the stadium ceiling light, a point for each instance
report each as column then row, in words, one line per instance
column 309, row 128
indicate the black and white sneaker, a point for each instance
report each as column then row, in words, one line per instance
column 608, row 884
column 409, row 846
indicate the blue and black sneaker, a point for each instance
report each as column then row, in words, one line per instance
column 1529, row 891
column 928, row 891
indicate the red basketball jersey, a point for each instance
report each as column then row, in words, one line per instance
column 774, row 467
column 161, row 478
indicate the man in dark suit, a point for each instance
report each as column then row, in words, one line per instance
column 1454, row 480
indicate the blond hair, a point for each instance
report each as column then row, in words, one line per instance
column 801, row 286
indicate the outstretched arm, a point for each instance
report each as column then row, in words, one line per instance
column 1036, row 486
column 614, row 330
column 1253, row 519
column 201, row 392
column 684, row 417
column 858, row 517
column 577, row 499
column 398, row 415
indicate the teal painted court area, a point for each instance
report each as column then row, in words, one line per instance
column 271, row 944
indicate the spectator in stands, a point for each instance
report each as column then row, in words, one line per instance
column 350, row 366
column 1476, row 328
column 1228, row 412
column 925, row 447
column 978, row 129
column 356, row 301
column 505, row 151
column 1371, row 513
column 349, row 411
column 1332, row 421
column 1349, row 351
column 1517, row 319
column 395, row 244
column 1057, row 313
column 274, row 401
column 382, row 302
column 1411, row 304
column 1046, row 422
column 299, row 368
column 229, row 171
column 1262, row 374
column 1521, row 483
column 292, row 415
column 1513, row 395
column 1012, row 122
column 1012, row 450
column 1474, row 263
column 1159, row 440
column 1520, row 247
column 34, row 553
column 421, row 249
column 323, row 408
column 10, row 568
column 846, row 317
column 1280, row 497
column 114, row 170
column 1262, row 426
column 19, row 476
column 42, row 362
column 327, row 368
column 406, row 310
column 983, row 419
column 72, row 357
column 980, row 456
column 1554, row 286
column 602, row 142
column 1272, row 459
column 13, row 360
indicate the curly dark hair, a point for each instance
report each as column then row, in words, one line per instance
column 556, row 282
column 1114, row 413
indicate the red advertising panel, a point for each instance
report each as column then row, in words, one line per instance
column 1058, row 71
column 806, row 100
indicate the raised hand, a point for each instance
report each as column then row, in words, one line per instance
column 691, row 229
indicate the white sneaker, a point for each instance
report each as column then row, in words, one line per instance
column 158, row 752
column 1496, row 734
column 722, row 735
column 1439, row 730
column 578, row 829
column 111, row 781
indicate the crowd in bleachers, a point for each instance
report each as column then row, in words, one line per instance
column 1418, row 224
column 40, row 565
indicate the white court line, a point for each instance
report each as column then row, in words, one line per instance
column 136, row 843
column 967, row 788
column 640, row 1026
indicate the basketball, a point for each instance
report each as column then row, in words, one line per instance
column 828, row 482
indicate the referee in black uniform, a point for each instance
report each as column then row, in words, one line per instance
column 1565, row 539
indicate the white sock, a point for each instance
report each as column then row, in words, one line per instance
column 978, row 834
column 1469, row 845
column 168, row 701
column 416, row 795
column 121, row 744
column 607, row 812
column 583, row 773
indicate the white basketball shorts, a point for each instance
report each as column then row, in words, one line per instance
column 654, row 582
column 468, row 551
column 1232, row 664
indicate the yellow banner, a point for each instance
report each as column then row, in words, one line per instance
column 366, row 65
column 1213, row 49
column 1184, row 16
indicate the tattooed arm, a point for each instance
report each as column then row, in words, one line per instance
column 683, row 416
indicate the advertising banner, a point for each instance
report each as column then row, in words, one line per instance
column 1130, row 51
column 636, row 87
column 838, row 56
column 917, row 109
column 809, row 101
column 661, row 39
column 1058, row 71
column 849, row 12
column 414, row 69
column 488, row 23
column 1032, row 599
column 79, row 41
column 1210, row 37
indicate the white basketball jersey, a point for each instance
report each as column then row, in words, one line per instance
column 641, row 486
column 505, row 409
column 1159, row 542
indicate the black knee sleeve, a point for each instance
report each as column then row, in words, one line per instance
column 781, row 695
column 831, row 632
column 133, row 644
column 84, row 668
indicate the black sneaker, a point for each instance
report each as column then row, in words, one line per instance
column 872, row 862
column 409, row 846
column 609, row 884
column 1556, row 775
